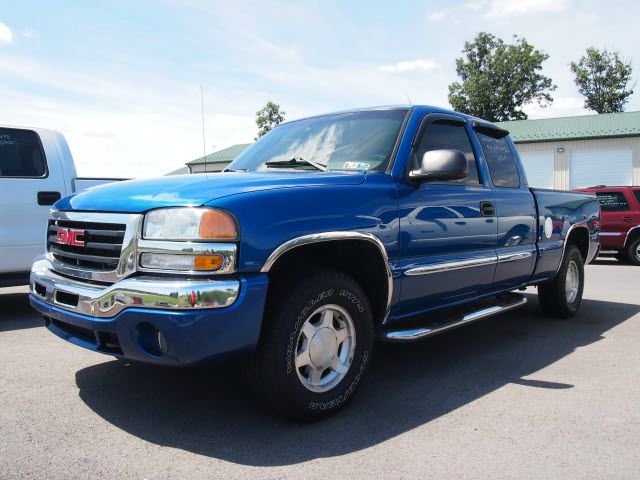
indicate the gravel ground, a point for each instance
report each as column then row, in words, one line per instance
column 515, row 396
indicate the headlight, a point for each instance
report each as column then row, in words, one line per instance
column 189, row 224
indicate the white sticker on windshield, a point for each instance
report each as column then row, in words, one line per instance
column 356, row 166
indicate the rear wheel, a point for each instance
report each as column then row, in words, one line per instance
column 633, row 251
column 561, row 297
column 316, row 345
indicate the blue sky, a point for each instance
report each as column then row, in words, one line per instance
column 121, row 79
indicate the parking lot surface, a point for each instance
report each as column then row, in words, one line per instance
column 514, row 396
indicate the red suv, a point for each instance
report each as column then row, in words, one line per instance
column 619, row 221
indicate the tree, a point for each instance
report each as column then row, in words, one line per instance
column 604, row 79
column 498, row 79
column 268, row 117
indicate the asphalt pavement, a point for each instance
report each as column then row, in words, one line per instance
column 513, row 396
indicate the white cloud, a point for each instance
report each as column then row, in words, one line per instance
column 6, row 36
column 424, row 64
column 508, row 8
column 29, row 33
column 437, row 16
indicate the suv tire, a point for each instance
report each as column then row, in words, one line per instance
column 315, row 346
column 561, row 297
column 633, row 251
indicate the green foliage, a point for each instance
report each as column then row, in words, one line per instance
column 498, row 79
column 268, row 117
column 604, row 79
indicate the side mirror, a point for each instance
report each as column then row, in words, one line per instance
column 441, row 165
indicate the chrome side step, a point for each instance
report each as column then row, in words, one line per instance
column 514, row 300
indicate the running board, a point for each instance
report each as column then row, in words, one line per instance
column 508, row 302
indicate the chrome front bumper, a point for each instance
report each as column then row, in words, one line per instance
column 141, row 292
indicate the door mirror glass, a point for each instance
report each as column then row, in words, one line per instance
column 445, row 164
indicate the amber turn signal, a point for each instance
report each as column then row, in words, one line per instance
column 207, row 262
column 218, row 225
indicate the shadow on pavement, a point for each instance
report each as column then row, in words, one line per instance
column 16, row 313
column 210, row 412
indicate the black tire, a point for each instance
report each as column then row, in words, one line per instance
column 274, row 370
column 633, row 251
column 553, row 296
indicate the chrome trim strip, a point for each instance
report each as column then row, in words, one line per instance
column 454, row 265
column 140, row 292
column 127, row 263
column 513, row 257
column 227, row 250
column 422, row 332
column 612, row 234
column 331, row 237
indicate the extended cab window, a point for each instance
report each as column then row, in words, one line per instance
column 637, row 194
column 21, row 154
column 502, row 164
column 442, row 135
column 612, row 201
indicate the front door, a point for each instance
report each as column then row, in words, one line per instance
column 448, row 229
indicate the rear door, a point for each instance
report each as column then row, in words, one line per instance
column 30, row 182
column 617, row 218
column 515, row 208
column 447, row 240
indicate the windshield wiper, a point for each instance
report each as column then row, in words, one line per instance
column 296, row 162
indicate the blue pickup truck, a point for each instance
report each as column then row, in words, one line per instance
column 394, row 223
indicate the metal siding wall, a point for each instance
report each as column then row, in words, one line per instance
column 562, row 158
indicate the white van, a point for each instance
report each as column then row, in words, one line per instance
column 36, row 170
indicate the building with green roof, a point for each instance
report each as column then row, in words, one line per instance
column 581, row 151
column 216, row 161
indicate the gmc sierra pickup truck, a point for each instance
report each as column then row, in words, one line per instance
column 397, row 223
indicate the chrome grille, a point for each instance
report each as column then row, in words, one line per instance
column 107, row 246
column 101, row 249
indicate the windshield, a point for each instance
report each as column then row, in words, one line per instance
column 357, row 141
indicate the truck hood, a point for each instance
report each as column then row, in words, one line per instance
column 135, row 196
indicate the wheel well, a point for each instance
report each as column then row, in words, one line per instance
column 635, row 233
column 580, row 238
column 360, row 259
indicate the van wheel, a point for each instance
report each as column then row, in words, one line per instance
column 561, row 297
column 633, row 251
column 316, row 345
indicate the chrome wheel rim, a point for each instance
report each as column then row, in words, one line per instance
column 325, row 348
column 572, row 282
column 638, row 251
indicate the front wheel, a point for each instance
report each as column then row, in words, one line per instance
column 316, row 345
column 561, row 297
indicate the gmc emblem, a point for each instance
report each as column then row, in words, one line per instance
column 70, row 236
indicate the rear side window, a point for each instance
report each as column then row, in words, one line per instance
column 502, row 165
column 637, row 194
column 21, row 154
column 442, row 135
column 612, row 201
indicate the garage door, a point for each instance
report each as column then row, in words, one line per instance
column 539, row 168
column 588, row 168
